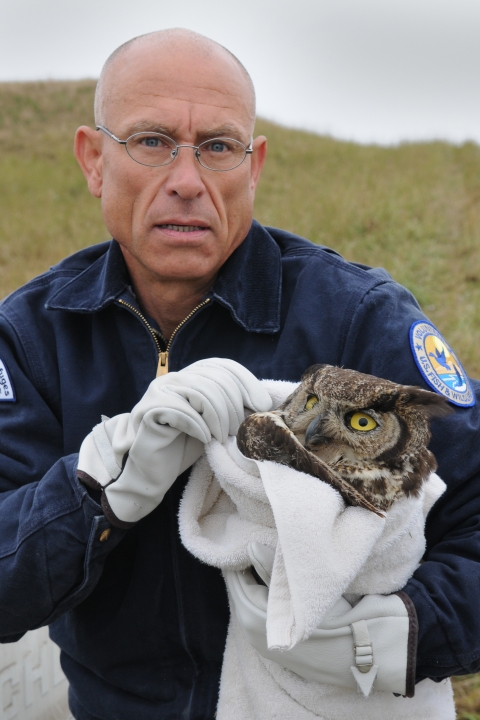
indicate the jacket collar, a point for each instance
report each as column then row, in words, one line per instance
column 248, row 285
column 250, row 282
column 100, row 284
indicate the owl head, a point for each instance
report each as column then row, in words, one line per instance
column 373, row 432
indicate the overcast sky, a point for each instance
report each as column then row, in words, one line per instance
column 368, row 70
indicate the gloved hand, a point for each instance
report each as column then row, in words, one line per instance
column 165, row 433
column 371, row 644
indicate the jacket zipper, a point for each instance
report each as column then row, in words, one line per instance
column 162, row 367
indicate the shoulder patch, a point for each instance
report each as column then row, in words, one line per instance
column 439, row 365
column 7, row 393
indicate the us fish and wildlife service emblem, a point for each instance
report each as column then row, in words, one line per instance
column 439, row 365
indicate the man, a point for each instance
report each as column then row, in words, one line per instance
column 140, row 622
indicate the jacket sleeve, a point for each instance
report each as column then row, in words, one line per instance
column 446, row 587
column 51, row 545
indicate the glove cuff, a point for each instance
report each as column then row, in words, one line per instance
column 412, row 643
column 110, row 515
column 96, row 458
column 90, row 482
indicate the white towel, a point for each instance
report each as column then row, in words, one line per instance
column 323, row 550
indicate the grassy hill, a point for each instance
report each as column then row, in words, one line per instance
column 413, row 209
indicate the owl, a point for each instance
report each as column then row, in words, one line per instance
column 365, row 436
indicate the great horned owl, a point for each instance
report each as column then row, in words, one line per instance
column 365, row 436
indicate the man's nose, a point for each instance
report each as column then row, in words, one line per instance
column 184, row 174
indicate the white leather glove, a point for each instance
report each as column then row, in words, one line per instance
column 370, row 644
column 165, row 434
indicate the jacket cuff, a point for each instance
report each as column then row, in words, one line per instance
column 92, row 484
column 88, row 480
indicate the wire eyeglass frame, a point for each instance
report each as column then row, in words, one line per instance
column 175, row 147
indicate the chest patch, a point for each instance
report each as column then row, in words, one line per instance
column 7, row 393
column 439, row 365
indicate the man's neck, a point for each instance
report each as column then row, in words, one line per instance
column 168, row 302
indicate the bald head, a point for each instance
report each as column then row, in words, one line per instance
column 157, row 47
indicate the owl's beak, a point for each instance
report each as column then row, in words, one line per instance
column 314, row 434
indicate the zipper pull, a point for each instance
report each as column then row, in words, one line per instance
column 162, row 367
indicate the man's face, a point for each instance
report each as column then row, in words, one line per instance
column 179, row 221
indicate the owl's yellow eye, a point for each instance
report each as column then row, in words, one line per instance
column 311, row 401
column 361, row 421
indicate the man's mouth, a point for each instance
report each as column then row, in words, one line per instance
column 183, row 228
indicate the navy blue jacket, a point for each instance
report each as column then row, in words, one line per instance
column 141, row 623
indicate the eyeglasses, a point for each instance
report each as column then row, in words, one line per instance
column 154, row 150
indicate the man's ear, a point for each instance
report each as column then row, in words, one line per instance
column 88, row 151
column 258, row 158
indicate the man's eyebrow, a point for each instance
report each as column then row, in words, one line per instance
column 221, row 131
column 225, row 130
column 148, row 126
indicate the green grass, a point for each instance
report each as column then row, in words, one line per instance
column 413, row 209
column 467, row 697
column 46, row 211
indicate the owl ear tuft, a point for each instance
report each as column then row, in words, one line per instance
column 312, row 370
column 430, row 403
